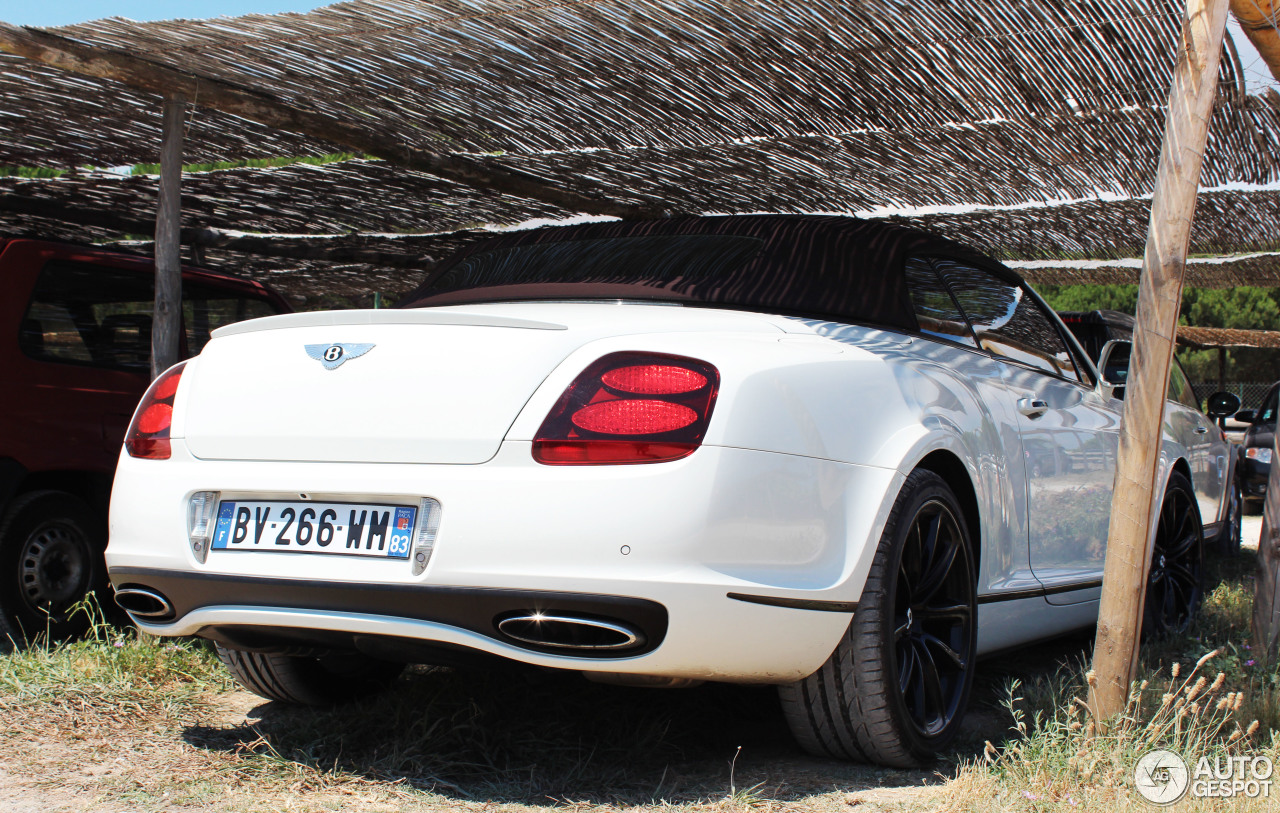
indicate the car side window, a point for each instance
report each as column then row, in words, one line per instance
column 89, row 314
column 1008, row 321
column 935, row 309
column 1180, row 388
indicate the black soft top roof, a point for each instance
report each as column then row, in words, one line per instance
column 833, row 267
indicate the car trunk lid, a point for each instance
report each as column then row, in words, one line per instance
column 405, row 387
column 434, row 385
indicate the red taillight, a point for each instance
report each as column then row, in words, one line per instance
column 638, row 417
column 148, row 435
column 630, row 408
column 654, row 379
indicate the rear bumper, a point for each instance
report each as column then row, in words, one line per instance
column 657, row 547
column 474, row 609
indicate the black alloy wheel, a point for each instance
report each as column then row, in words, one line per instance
column 895, row 689
column 933, row 619
column 1175, row 582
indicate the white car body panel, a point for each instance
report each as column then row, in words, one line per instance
column 719, row 529
column 815, row 428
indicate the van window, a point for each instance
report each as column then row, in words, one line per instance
column 101, row 317
column 89, row 314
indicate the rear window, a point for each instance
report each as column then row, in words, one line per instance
column 101, row 317
column 671, row 267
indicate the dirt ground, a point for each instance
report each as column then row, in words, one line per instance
column 119, row 764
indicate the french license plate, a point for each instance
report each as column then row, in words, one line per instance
column 354, row 529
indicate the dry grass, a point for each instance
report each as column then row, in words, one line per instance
column 1202, row 694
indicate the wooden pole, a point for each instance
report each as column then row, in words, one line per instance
column 1266, row 597
column 1135, row 502
column 137, row 72
column 166, row 320
column 1258, row 18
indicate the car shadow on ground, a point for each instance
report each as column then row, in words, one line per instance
column 525, row 735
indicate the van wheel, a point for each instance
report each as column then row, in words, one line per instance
column 51, row 547
column 327, row 680
column 897, row 685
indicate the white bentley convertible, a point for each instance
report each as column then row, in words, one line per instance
column 833, row 455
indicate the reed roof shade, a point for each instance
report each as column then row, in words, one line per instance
column 640, row 106
column 1228, row 337
column 333, row 227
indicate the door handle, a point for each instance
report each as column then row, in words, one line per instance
column 1202, row 430
column 1032, row 407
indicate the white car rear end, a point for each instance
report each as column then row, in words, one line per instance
column 833, row 455
column 433, row 426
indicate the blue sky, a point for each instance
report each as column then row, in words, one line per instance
column 65, row 12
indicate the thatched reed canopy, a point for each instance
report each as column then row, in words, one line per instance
column 1228, row 337
column 497, row 111
column 359, row 226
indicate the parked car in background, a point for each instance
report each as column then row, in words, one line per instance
column 833, row 455
column 75, row 355
column 1256, row 449
column 1094, row 329
column 1107, row 336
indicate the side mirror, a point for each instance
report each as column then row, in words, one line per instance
column 1223, row 405
column 1113, row 364
column 1246, row 415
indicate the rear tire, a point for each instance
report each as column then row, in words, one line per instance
column 1227, row 542
column 1175, row 582
column 895, row 689
column 337, row 677
column 51, row 546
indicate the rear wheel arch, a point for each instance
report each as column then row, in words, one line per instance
column 950, row 468
column 93, row 488
column 1181, row 466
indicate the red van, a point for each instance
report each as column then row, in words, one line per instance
column 75, row 355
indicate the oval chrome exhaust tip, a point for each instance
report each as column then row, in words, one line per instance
column 143, row 603
column 570, row 632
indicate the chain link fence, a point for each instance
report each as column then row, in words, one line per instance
column 1250, row 392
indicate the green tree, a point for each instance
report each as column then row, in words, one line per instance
column 1123, row 298
column 1239, row 308
column 1242, row 308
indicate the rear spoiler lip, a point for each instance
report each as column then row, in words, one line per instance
column 378, row 317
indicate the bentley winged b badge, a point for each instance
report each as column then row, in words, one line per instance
column 333, row 355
